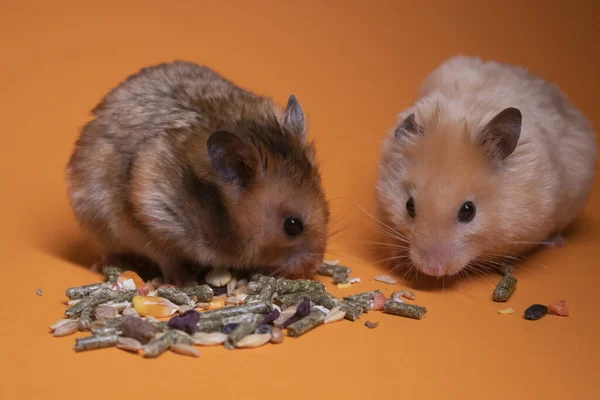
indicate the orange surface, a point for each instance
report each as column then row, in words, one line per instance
column 353, row 65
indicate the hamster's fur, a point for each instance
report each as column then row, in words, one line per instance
column 494, row 135
column 180, row 165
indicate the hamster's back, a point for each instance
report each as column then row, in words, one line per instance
column 150, row 105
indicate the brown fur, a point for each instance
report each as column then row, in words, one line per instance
column 141, row 179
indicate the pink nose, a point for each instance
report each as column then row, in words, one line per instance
column 434, row 270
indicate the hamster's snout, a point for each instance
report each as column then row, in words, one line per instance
column 437, row 260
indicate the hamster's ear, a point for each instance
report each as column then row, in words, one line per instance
column 293, row 119
column 408, row 128
column 232, row 159
column 500, row 136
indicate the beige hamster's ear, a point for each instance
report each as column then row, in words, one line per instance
column 501, row 135
column 408, row 128
column 231, row 158
column 293, row 120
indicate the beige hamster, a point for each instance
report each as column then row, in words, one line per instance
column 183, row 167
column 488, row 163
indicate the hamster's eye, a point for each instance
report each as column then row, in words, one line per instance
column 466, row 212
column 410, row 207
column 293, row 226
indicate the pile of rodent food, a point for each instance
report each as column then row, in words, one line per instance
column 150, row 318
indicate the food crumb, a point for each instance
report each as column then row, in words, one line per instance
column 344, row 285
column 38, row 292
column 506, row 311
column 354, row 280
column 386, row 279
column 371, row 325
column 536, row 312
column 559, row 308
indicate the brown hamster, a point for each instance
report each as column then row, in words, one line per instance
column 488, row 163
column 180, row 165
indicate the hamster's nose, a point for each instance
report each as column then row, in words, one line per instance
column 433, row 262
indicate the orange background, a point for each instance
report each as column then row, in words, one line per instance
column 354, row 66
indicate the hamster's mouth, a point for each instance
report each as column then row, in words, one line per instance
column 435, row 265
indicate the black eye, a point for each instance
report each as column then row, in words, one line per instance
column 466, row 212
column 410, row 207
column 293, row 226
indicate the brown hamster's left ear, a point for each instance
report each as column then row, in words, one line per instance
column 231, row 158
column 293, row 119
column 501, row 135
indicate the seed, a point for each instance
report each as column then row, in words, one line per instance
column 66, row 328
column 129, row 344
column 397, row 296
column 276, row 335
column 506, row 311
column 185, row 349
column 209, row 339
column 331, row 262
column 154, row 306
column 386, row 279
column 60, row 323
column 324, row 309
column 231, row 286
column 242, row 287
column 218, row 277
column 344, row 285
column 130, row 311
column 285, row 315
column 254, row 340
column 371, row 325
column 536, row 312
column 354, row 280
column 73, row 302
column 334, row 316
column 405, row 310
column 38, row 292
column 408, row 294
column 102, row 312
column 505, row 288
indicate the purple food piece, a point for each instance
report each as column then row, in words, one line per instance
column 302, row 311
column 227, row 329
column 185, row 322
column 270, row 317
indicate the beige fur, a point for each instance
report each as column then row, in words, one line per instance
column 534, row 193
